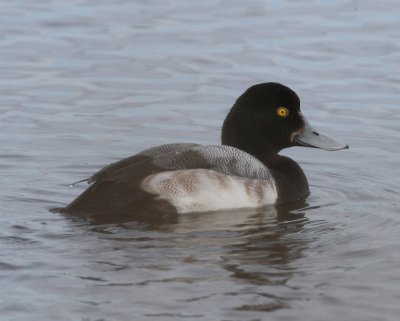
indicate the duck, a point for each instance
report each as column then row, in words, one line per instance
column 244, row 171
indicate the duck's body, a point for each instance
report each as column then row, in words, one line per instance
column 244, row 172
column 190, row 178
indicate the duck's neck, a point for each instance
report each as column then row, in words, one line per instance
column 249, row 142
column 291, row 182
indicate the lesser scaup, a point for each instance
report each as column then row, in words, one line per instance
column 244, row 171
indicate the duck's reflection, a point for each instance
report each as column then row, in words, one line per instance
column 254, row 250
column 263, row 259
column 220, row 220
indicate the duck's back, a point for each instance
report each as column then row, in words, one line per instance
column 181, row 178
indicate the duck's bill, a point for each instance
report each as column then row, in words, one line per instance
column 313, row 138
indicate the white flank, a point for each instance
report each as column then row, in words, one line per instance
column 202, row 190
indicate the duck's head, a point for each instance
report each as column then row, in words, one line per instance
column 267, row 118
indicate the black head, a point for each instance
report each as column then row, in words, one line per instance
column 265, row 119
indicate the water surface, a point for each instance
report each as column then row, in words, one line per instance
column 85, row 83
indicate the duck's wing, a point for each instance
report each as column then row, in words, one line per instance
column 224, row 159
column 128, row 163
column 116, row 188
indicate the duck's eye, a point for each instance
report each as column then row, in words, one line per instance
column 282, row 111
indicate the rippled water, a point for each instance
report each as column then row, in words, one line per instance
column 84, row 83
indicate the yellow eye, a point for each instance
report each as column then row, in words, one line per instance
column 282, row 111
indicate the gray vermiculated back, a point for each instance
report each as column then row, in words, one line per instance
column 224, row 159
column 167, row 148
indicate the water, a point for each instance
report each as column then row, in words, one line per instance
column 85, row 83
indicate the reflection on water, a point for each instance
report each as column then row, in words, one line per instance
column 255, row 248
column 85, row 83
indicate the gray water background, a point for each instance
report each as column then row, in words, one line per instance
column 84, row 83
